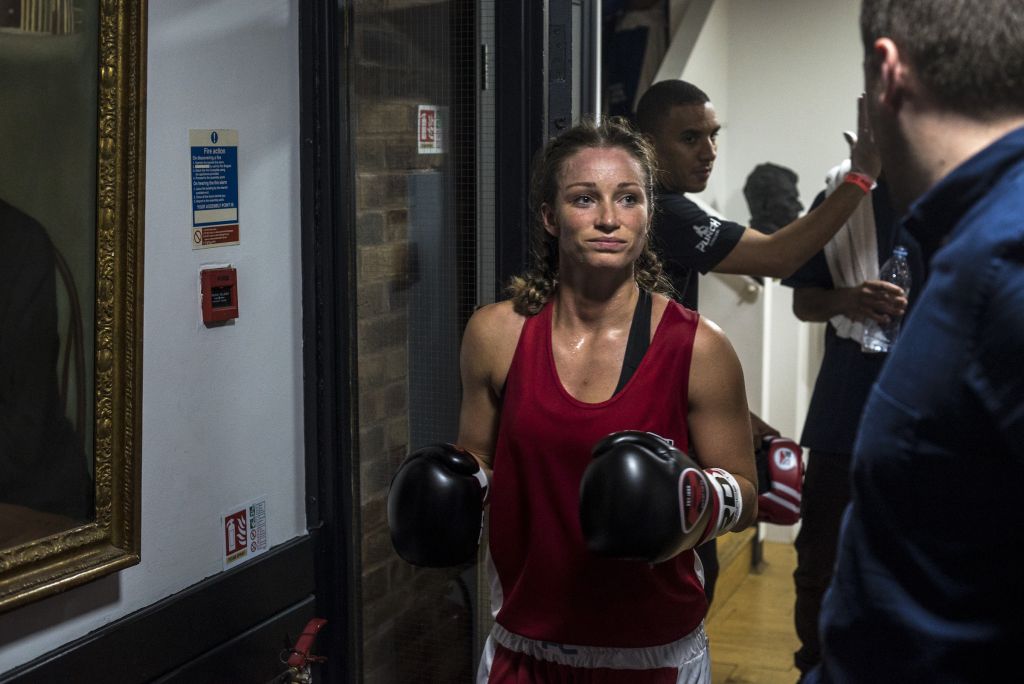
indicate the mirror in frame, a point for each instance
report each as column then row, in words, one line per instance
column 71, row 171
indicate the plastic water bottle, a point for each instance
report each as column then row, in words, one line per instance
column 877, row 337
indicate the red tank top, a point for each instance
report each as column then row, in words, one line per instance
column 553, row 588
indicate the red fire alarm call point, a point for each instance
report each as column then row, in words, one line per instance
column 219, row 294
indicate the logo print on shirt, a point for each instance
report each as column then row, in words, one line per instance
column 708, row 234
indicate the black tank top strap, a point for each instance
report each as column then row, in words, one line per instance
column 639, row 338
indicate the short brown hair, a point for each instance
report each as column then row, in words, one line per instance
column 969, row 55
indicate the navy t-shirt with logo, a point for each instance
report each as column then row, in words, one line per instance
column 689, row 241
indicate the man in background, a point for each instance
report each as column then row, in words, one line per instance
column 681, row 122
column 922, row 591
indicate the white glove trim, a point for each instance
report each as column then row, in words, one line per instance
column 780, row 501
column 728, row 500
column 481, row 477
column 694, row 497
column 786, row 489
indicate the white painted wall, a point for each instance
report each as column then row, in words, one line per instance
column 784, row 78
column 221, row 408
column 794, row 76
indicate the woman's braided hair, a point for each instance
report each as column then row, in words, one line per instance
column 531, row 290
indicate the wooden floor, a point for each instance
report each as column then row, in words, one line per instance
column 750, row 633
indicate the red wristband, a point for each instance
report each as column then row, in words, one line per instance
column 861, row 180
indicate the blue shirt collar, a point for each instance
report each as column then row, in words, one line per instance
column 934, row 215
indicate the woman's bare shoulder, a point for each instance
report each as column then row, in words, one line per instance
column 712, row 348
column 495, row 320
column 493, row 331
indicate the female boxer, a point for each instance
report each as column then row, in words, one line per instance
column 588, row 345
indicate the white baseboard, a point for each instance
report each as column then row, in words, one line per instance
column 779, row 533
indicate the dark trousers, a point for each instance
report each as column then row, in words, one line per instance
column 826, row 493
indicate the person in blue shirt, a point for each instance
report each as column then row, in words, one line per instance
column 925, row 587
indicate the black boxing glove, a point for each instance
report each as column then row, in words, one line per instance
column 643, row 499
column 435, row 506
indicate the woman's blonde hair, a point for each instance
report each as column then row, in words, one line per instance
column 531, row 290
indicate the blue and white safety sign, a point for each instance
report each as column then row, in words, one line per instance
column 214, row 154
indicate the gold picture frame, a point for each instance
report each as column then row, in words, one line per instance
column 110, row 541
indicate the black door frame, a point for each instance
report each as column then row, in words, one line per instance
column 328, row 296
column 520, row 120
column 534, row 69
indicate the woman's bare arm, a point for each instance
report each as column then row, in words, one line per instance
column 718, row 417
column 488, row 345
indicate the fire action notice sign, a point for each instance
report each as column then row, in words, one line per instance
column 214, row 155
column 244, row 532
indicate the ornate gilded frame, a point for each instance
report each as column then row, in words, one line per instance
column 111, row 542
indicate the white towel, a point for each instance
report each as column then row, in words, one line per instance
column 852, row 253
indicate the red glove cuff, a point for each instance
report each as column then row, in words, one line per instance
column 781, row 469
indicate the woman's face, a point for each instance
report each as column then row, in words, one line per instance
column 600, row 213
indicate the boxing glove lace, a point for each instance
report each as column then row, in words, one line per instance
column 643, row 499
column 435, row 506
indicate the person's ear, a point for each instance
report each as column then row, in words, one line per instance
column 892, row 74
column 547, row 215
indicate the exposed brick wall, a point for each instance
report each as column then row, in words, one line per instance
column 416, row 627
